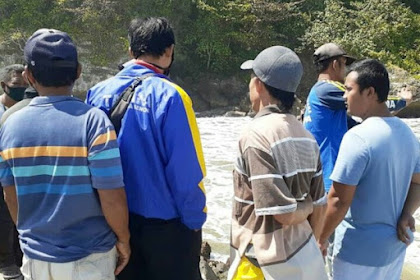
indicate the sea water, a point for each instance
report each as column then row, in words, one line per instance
column 220, row 144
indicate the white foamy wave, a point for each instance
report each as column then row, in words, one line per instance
column 220, row 139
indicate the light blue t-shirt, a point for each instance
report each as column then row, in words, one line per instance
column 379, row 157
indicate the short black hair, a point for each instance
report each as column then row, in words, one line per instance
column 6, row 72
column 322, row 65
column 150, row 35
column 286, row 98
column 50, row 76
column 372, row 73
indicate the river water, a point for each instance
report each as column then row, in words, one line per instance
column 219, row 139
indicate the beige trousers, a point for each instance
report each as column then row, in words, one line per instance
column 98, row 266
column 307, row 264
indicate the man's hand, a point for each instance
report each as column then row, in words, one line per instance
column 114, row 207
column 124, row 253
column 10, row 197
column 316, row 219
column 406, row 94
column 405, row 222
column 412, row 203
column 303, row 210
column 323, row 246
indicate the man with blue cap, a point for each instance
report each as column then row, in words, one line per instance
column 14, row 86
column 62, row 179
column 279, row 197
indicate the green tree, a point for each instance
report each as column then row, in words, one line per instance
column 19, row 19
column 224, row 33
column 382, row 29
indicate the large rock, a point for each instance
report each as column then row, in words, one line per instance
column 205, row 250
column 411, row 111
column 206, row 271
column 214, row 92
column 220, row 269
column 211, row 269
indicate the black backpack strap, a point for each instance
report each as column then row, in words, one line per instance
column 120, row 106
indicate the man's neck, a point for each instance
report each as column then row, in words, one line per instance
column 329, row 77
column 324, row 76
column 148, row 65
column 55, row 91
column 7, row 100
column 155, row 61
column 381, row 110
column 267, row 100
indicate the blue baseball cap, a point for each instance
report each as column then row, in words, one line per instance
column 278, row 67
column 51, row 48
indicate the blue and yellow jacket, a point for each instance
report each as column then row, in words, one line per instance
column 326, row 118
column 160, row 146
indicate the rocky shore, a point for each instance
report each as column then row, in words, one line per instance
column 211, row 269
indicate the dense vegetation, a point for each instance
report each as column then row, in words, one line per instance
column 215, row 36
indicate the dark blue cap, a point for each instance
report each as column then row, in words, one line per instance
column 51, row 48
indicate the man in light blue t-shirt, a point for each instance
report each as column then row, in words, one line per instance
column 376, row 181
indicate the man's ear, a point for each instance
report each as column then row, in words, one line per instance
column 259, row 86
column 3, row 86
column 27, row 76
column 371, row 92
column 169, row 50
column 335, row 64
column 130, row 52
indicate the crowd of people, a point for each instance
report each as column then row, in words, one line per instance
column 113, row 187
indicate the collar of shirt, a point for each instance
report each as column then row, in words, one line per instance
column 136, row 68
column 41, row 100
column 148, row 65
column 270, row 109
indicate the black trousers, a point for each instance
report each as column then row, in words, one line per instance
column 162, row 250
column 10, row 253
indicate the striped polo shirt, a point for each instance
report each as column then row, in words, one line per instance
column 57, row 151
column 278, row 166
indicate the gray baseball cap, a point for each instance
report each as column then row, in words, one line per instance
column 330, row 50
column 278, row 67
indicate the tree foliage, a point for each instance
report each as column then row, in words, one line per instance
column 215, row 36
column 382, row 29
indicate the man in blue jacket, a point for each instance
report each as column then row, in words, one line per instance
column 325, row 115
column 162, row 158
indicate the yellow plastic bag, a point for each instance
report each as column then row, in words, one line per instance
column 247, row 271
